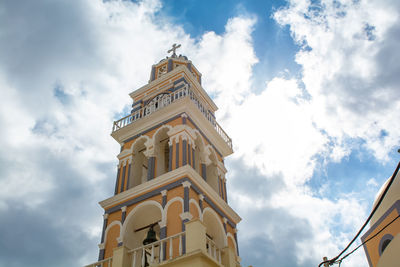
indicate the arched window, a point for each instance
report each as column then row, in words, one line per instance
column 214, row 228
column 198, row 151
column 161, row 142
column 211, row 172
column 386, row 239
column 139, row 164
column 137, row 225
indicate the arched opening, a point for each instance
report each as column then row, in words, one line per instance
column 173, row 209
column 112, row 232
column 161, row 142
column 198, row 150
column 232, row 243
column 138, row 173
column 385, row 241
column 211, row 172
column 214, row 228
column 138, row 224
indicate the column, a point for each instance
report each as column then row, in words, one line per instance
column 129, row 173
column 184, row 150
column 170, row 143
column 163, row 225
column 151, row 167
column 185, row 216
column 189, row 154
column 123, row 178
column 123, row 215
column 177, row 148
column 102, row 246
column 193, row 158
column 201, row 199
column 163, row 235
column 186, row 186
column 236, row 240
column 226, row 196
column 117, row 181
column 225, row 220
column 164, row 198
column 220, row 187
column 204, row 171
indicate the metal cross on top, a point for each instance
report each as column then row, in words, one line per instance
column 173, row 49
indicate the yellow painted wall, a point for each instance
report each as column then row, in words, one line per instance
column 373, row 245
column 194, row 211
column 174, row 225
column 111, row 241
column 231, row 243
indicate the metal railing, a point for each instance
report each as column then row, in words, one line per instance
column 166, row 99
column 158, row 251
column 103, row 263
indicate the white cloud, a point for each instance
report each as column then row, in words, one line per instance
column 347, row 69
column 62, row 86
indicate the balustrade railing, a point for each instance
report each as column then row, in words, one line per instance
column 159, row 251
column 103, row 263
column 212, row 250
column 166, row 99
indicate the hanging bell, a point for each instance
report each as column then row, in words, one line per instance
column 151, row 237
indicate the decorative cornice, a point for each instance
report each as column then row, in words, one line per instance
column 170, row 113
column 167, row 178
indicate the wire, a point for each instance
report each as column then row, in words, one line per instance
column 333, row 260
column 387, row 225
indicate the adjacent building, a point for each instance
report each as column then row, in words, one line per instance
column 382, row 240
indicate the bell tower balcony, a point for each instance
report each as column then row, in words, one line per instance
column 172, row 94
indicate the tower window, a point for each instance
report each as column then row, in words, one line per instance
column 386, row 239
column 139, row 164
column 162, row 151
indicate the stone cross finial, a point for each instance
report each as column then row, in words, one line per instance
column 173, row 49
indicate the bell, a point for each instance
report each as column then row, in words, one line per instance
column 151, row 237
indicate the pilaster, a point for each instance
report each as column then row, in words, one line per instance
column 121, row 257
column 101, row 246
column 117, row 180
column 195, row 236
column 228, row 257
column 123, row 215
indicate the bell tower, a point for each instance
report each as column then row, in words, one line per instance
column 170, row 200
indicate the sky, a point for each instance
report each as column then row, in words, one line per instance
column 308, row 91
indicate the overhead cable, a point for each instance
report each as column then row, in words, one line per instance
column 333, row 260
